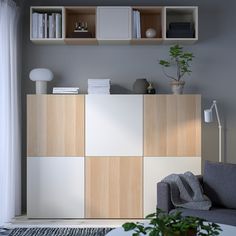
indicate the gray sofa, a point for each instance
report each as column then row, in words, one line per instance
column 219, row 184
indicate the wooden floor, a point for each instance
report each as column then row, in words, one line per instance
column 23, row 221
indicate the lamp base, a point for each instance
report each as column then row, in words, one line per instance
column 41, row 87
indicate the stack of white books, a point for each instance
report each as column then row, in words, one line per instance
column 46, row 25
column 99, row 86
column 136, row 24
column 65, row 90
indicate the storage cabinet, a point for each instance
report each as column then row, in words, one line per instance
column 150, row 17
column 114, row 125
column 181, row 14
column 55, row 125
column 47, row 10
column 114, row 23
column 114, row 187
column 157, row 168
column 172, row 125
column 79, row 15
column 55, row 187
column 100, row 156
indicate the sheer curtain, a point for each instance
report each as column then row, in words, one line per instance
column 10, row 146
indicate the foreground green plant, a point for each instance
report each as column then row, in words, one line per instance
column 175, row 224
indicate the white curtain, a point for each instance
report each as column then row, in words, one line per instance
column 10, row 145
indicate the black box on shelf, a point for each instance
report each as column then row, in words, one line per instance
column 81, row 35
column 180, row 34
column 180, row 30
column 181, row 26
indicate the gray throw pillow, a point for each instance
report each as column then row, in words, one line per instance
column 219, row 183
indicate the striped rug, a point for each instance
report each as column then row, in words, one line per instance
column 55, row 232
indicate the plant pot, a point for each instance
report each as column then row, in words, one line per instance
column 190, row 232
column 177, row 87
column 140, row 86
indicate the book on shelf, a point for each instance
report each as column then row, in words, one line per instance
column 136, row 24
column 35, row 16
column 52, row 32
column 134, row 33
column 41, row 26
column 58, row 25
column 45, row 25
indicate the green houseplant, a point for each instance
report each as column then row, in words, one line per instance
column 181, row 61
column 175, row 224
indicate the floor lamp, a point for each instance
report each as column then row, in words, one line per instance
column 208, row 117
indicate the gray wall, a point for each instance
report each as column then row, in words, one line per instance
column 213, row 68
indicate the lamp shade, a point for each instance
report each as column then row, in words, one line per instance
column 208, row 118
column 41, row 74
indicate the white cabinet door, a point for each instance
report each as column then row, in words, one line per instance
column 55, row 187
column 114, row 125
column 157, row 168
column 114, row 23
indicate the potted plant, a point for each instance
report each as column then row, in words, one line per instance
column 181, row 60
column 175, row 224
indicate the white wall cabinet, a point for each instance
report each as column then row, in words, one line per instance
column 114, row 23
column 55, row 187
column 114, row 125
column 157, row 168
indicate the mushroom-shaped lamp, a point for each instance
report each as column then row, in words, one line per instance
column 41, row 76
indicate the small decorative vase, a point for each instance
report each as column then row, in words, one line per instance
column 151, row 89
column 177, row 87
column 140, row 86
column 151, row 33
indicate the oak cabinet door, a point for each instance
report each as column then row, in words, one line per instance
column 55, row 187
column 114, row 23
column 172, row 125
column 157, row 168
column 114, row 125
column 114, row 187
column 55, row 125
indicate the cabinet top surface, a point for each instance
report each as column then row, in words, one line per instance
column 113, row 94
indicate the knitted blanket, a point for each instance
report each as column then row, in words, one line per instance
column 186, row 191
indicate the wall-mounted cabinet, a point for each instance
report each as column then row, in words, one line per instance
column 180, row 24
column 114, row 24
column 80, row 25
column 105, row 25
column 150, row 17
column 41, row 18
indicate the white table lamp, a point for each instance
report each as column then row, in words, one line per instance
column 208, row 117
column 41, row 76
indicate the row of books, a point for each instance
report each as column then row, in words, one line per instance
column 46, row 25
column 65, row 90
column 136, row 24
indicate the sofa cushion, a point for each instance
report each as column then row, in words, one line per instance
column 216, row 215
column 219, row 183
